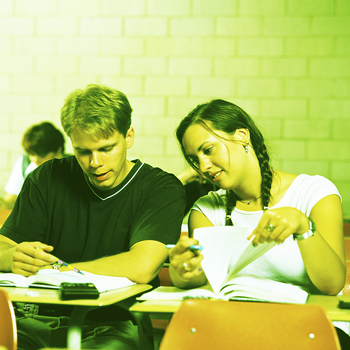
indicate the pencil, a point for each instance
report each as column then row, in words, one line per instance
column 63, row 263
column 193, row 247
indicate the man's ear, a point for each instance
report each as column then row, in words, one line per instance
column 129, row 137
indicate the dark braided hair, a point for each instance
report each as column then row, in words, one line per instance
column 228, row 117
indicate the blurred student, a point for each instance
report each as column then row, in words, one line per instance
column 41, row 143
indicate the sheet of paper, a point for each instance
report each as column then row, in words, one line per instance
column 225, row 246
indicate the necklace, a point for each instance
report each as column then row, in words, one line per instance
column 248, row 201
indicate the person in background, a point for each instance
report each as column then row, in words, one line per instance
column 96, row 210
column 41, row 143
column 300, row 212
column 195, row 185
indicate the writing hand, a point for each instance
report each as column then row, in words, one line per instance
column 27, row 260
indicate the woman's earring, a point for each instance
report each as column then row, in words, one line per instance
column 246, row 148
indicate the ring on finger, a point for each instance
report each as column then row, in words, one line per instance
column 269, row 227
column 185, row 266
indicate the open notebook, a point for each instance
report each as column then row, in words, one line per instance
column 226, row 252
column 51, row 279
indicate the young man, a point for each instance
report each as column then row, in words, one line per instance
column 99, row 211
column 41, row 143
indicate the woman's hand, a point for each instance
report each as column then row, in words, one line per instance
column 278, row 224
column 185, row 265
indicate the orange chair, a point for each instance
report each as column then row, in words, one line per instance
column 8, row 328
column 221, row 325
column 4, row 213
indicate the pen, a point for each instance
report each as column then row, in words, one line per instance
column 193, row 247
column 63, row 263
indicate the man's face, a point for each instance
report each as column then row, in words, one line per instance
column 103, row 160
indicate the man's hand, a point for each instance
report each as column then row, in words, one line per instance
column 26, row 259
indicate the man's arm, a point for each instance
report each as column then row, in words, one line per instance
column 141, row 264
column 24, row 258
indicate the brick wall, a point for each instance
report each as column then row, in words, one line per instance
column 286, row 62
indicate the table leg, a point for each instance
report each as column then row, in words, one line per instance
column 75, row 326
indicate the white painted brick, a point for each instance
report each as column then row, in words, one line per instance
column 33, row 84
column 327, row 25
column 329, row 150
column 286, row 150
column 148, row 106
column 131, row 86
column 192, row 26
column 212, row 87
column 260, row 87
column 101, row 26
column 100, row 65
column 260, row 47
column 241, row 27
column 67, row 83
column 310, row 7
column 342, row 46
column 190, row 66
column 237, row 67
column 4, row 161
column 171, row 164
column 330, row 67
column 261, row 7
column 24, row 120
column 166, row 86
column 341, row 128
column 10, row 138
column 81, row 7
column 5, row 46
column 157, row 126
column 6, row 7
column 270, row 128
column 57, row 26
column 212, row 8
column 167, row 46
column 306, row 167
column 122, row 46
column 283, row 26
column 47, row 104
column 147, row 145
column 35, row 7
column 284, row 67
column 5, row 122
column 78, row 46
column 179, row 107
column 168, row 8
column 4, row 83
column 16, row 26
column 216, row 47
column 16, row 64
column 145, row 66
column 310, row 46
column 123, row 7
column 35, row 46
column 341, row 170
column 342, row 7
column 284, row 108
column 172, row 147
column 56, row 65
column 15, row 103
column 145, row 27
column 328, row 108
column 305, row 129
column 329, row 88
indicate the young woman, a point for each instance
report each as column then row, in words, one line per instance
column 222, row 142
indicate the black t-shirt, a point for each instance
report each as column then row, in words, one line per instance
column 59, row 206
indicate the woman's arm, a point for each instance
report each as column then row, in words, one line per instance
column 192, row 276
column 324, row 253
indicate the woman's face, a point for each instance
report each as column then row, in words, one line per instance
column 221, row 160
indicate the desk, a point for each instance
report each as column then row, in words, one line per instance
column 121, row 296
column 163, row 309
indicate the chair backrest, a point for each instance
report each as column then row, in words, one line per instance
column 4, row 214
column 8, row 328
column 208, row 324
